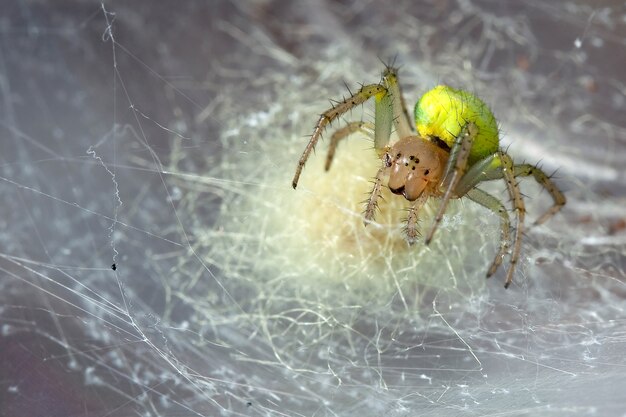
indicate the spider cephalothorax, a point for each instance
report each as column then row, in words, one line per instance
column 450, row 148
column 415, row 166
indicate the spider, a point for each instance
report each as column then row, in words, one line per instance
column 452, row 148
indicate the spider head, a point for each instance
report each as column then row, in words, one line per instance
column 415, row 165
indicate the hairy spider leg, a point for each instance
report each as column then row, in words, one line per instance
column 388, row 112
column 490, row 168
column 404, row 123
column 544, row 180
column 455, row 169
column 410, row 230
column 520, row 211
column 361, row 96
column 372, row 201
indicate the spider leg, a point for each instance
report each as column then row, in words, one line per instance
column 457, row 164
column 365, row 93
column 372, row 201
column 492, row 203
column 352, row 127
column 544, row 180
column 508, row 172
column 389, row 111
column 411, row 221
column 490, row 168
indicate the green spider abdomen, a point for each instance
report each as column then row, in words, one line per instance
column 443, row 111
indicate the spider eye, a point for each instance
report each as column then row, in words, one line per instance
column 387, row 160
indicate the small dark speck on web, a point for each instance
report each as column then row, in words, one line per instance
column 114, row 267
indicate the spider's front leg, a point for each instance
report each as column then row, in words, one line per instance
column 457, row 163
column 389, row 111
column 361, row 96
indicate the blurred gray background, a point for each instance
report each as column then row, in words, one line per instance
column 122, row 125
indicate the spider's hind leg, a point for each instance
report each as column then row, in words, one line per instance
column 490, row 168
column 487, row 200
column 508, row 173
column 544, row 180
